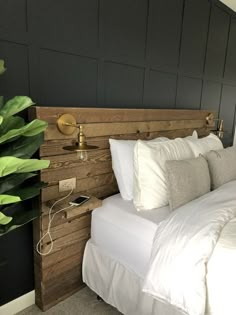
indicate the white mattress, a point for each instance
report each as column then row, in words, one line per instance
column 125, row 233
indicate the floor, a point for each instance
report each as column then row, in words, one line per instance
column 84, row 302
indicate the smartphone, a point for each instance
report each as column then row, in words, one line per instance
column 79, row 201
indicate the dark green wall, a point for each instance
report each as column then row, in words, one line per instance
column 16, row 264
column 121, row 53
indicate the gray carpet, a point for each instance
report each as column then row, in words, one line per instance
column 84, row 302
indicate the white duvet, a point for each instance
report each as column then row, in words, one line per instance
column 182, row 247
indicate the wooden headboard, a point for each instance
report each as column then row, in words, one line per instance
column 58, row 275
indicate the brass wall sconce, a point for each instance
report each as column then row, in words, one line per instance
column 219, row 131
column 67, row 124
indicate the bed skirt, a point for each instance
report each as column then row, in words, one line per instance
column 119, row 286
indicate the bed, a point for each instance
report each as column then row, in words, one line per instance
column 58, row 275
column 177, row 258
column 117, row 256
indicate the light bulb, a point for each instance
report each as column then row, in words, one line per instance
column 82, row 155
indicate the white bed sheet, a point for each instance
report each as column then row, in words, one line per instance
column 125, row 233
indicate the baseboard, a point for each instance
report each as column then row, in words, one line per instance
column 18, row 304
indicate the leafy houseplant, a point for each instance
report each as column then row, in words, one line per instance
column 18, row 142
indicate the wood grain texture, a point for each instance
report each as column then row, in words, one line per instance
column 82, row 185
column 65, row 253
column 58, row 274
column 57, row 289
column 55, row 147
column 83, row 170
column 60, row 231
column 67, row 240
column 95, row 115
column 123, row 128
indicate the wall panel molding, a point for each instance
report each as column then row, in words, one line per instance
column 121, row 53
column 175, row 44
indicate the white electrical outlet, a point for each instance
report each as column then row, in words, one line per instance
column 67, row 184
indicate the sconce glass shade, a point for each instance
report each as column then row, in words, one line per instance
column 82, row 155
column 220, row 129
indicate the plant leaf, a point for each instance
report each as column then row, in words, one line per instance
column 10, row 164
column 1, row 119
column 9, row 182
column 4, row 220
column 20, row 217
column 6, row 199
column 28, row 192
column 24, row 147
column 15, row 105
column 13, row 122
column 33, row 128
column 2, row 68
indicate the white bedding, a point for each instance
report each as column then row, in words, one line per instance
column 221, row 273
column 119, row 286
column 126, row 234
column 183, row 245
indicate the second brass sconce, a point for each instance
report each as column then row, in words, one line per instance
column 219, row 131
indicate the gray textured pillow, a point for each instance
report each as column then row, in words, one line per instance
column 222, row 166
column 187, row 180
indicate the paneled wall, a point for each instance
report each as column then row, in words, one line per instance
column 121, row 53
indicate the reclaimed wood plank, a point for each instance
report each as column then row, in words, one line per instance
column 83, row 170
column 119, row 128
column 66, row 252
column 69, row 239
column 61, row 230
column 55, row 147
column 65, row 265
column 82, row 185
column 57, row 289
column 67, row 161
column 90, row 115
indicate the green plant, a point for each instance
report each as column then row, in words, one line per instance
column 18, row 177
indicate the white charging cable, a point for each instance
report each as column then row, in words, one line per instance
column 48, row 232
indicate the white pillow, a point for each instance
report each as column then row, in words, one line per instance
column 122, row 153
column 204, row 145
column 194, row 135
column 150, row 189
